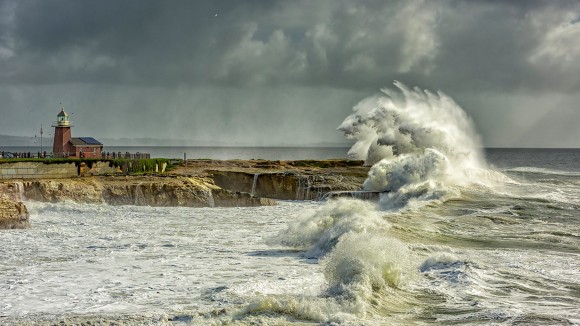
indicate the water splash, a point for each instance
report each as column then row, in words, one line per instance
column 319, row 231
column 254, row 184
column 363, row 264
column 139, row 197
column 209, row 197
column 422, row 148
column 419, row 143
column 20, row 194
column 410, row 121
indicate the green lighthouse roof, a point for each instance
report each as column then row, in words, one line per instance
column 62, row 113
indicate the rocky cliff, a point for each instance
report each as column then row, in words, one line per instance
column 13, row 214
column 141, row 191
column 199, row 183
column 287, row 180
column 285, row 185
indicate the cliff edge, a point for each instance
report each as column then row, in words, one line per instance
column 196, row 183
column 131, row 190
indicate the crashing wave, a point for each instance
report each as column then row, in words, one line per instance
column 423, row 148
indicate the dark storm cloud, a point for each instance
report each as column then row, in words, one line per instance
column 240, row 66
column 441, row 44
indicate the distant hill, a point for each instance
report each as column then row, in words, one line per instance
column 7, row 140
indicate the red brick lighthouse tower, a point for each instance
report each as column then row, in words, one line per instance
column 62, row 134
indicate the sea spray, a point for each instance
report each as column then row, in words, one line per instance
column 392, row 175
column 363, row 266
column 422, row 148
column 318, row 231
column 411, row 121
column 412, row 136
column 364, row 263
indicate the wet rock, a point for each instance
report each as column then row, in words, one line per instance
column 360, row 194
column 285, row 185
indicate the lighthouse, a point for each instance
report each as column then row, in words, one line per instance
column 62, row 135
column 67, row 146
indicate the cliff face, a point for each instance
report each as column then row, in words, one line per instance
column 285, row 185
column 203, row 183
column 192, row 192
column 13, row 215
column 142, row 191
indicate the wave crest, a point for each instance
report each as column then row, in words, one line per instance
column 319, row 231
column 363, row 264
column 422, row 146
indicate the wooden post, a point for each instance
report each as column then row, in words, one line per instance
column 185, row 159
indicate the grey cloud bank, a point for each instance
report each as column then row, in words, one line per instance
column 286, row 72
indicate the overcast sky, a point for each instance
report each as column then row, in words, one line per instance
column 268, row 72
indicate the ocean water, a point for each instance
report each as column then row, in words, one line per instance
column 507, row 255
column 217, row 153
column 460, row 236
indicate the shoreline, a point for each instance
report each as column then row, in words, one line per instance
column 194, row 183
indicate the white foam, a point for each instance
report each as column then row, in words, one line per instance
column 420, row 145
column 79, row 258
column 527, row 169
column 411, row 121
column 318, row 231
column 438, row 260
column 364, row 263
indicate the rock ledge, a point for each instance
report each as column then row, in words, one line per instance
column 13, row 215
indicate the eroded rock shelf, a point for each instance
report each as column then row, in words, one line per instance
column 199, row 183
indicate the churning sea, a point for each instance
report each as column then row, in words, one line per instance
column 506, row 253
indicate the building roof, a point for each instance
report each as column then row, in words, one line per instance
column 85, row 141
column 62, row 113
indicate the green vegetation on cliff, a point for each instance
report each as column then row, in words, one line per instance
column 128, row 166
column 141, row 166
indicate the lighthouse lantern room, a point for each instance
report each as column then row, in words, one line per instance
column 62, row 118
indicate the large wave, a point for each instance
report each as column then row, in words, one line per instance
column 422, row 147
column 407, row 122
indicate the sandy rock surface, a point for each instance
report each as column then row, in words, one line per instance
column 199, row 183
column 13, row 215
